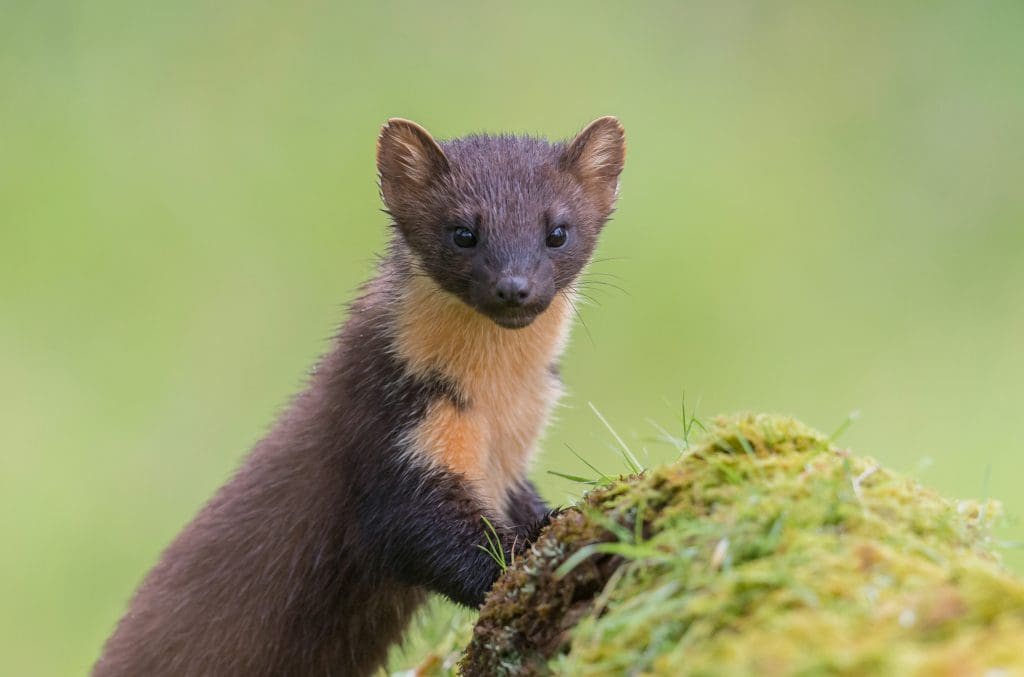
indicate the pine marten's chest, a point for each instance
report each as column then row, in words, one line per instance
column 505, row 379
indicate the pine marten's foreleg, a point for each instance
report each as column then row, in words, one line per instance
column 428, row 531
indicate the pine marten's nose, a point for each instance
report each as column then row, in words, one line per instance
column 512, row 290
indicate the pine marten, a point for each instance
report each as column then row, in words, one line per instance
column 370, row 490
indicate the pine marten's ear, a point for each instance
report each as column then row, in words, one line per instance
column 409, row 161
column 596, row 157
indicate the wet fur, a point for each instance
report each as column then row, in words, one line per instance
column 369, row 491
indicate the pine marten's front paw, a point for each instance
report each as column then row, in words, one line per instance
column 532, row 532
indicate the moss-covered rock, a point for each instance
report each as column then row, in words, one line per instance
column 764, row 550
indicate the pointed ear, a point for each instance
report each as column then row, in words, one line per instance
column 409, row 162
column 596, row 157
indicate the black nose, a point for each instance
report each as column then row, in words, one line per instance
column 512, row 290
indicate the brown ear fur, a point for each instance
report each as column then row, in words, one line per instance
column 409, row 161
column 596, row 157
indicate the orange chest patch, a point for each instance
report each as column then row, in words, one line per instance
column 503, row 375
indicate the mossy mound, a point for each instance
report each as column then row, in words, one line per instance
column 764, row 550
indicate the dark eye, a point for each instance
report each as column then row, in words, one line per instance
column 557, row 237
column 464, row 237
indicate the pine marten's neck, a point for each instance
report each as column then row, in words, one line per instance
column 438, row 334
column 505, row 379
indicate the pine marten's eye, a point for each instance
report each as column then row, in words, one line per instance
column 464, row 237
column 557, row 237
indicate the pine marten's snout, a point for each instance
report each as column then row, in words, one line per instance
column 516, row 295
column 512, row 291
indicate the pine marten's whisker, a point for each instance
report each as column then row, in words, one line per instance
column 593, row 286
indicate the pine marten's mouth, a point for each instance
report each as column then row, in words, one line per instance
column 514, row 321
column 516, row 318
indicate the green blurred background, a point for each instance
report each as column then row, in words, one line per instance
column 822, row 211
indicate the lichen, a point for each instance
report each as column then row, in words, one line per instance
column 764, row 550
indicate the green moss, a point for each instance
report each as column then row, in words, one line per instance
column 764, row 550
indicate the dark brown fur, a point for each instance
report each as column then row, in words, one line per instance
column 312, row 559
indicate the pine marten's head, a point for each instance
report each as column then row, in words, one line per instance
column 503, row 223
